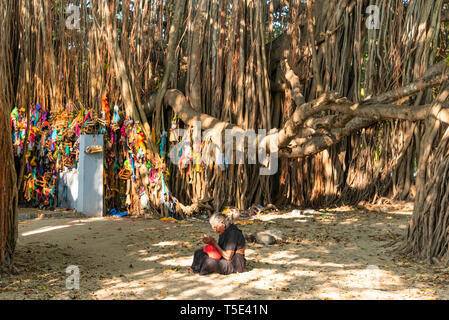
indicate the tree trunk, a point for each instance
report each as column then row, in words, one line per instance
column 8, row 177
column 428, row 233
column 8, row 192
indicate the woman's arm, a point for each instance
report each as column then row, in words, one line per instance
column 227, row 254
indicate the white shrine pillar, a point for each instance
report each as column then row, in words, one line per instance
column 90, row 179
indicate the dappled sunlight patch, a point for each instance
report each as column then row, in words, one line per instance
column 250, row 252
column 141, row 273
column 57, row 224
column 347, row 222
column 209, row 292
column 156, row 257
column 271, row 217
column 301, row 220
column 178, row 261
column 285, row 257
column 120, row 288
column 321, row 265
column 223, row 291
column 309, row 263
column 264, row 278
column 93, row 219
column 167, row 244
column 365, row 283
column 404, row 213
column 347, row 293
column 142, row 252
column 44, row 229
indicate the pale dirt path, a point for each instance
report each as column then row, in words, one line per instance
column 322, row 257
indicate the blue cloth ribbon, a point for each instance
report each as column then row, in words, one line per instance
column 114, row 212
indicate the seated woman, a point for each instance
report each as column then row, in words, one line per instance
column 225, row 257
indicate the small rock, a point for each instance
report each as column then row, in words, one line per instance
column 265, row 238
column 277, row 234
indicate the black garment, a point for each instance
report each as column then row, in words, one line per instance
column 231, row 239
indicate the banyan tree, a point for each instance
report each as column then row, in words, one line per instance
column 353, row 93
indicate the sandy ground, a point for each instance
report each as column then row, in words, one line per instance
column 342, row 253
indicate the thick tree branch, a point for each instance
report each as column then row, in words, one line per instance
column 434, row 76
column 302, row 128
column 323, row 142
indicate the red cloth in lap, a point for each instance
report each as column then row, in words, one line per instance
column 212, row 252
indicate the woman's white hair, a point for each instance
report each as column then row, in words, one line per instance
column 219, row 218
